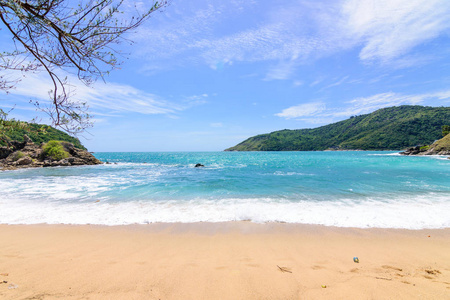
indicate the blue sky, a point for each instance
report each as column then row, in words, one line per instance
column 205, row 75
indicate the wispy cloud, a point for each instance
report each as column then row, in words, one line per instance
column 282, row 70
column 389, row 29
column 303, row 110
column 337, row 83
column 298, row 83
column 107, row 99
column 313, row 112
column 195, row 100
column 290, row 33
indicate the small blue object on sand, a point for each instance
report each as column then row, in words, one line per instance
column 356, row 259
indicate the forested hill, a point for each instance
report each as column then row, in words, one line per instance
column 392, row 128
column 38, row 133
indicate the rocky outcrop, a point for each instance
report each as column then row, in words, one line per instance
column 417, row 150
column 26, row 154
column 5, row 152
column 439, row 147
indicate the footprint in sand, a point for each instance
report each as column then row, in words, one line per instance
column 391, row 268
column 431, row 272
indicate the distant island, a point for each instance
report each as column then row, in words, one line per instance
column 392, row 128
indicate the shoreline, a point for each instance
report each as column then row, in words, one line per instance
column 229, row 260
column 226, row 225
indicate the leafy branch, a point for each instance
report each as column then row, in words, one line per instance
column 52, row 35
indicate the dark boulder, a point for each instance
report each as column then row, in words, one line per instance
column 27, row 140
column 24, row 161
column 413, row 150
column 198, row 165
column 5, row 152
column 16, row 145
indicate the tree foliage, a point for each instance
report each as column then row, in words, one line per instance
column 445, row 130
column 12, row 130
column 392, row 128
column 77, row 36
column 54, row 150
column 8, row 127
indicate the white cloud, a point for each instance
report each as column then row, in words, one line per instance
column 316, row 82
column 390, row 28
column 337, row 83
column 198, row 36
column 298, row 83
column 291, row 33
column 369, row 104
column 283, row 70
column 195, row 100
column 302, row 110
column 314, row 112
column 105, row 98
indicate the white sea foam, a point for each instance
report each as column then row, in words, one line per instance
column 362, row 192
column 385, row 154
column 439, row 157
column 280, row 173
column 428, row 212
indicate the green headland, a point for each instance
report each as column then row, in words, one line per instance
column 12, row 130
column 392, row 128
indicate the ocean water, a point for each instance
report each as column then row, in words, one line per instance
column 345, row 189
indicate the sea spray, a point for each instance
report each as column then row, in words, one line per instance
column 346, row 189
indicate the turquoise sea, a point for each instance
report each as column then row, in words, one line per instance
column 346, row 189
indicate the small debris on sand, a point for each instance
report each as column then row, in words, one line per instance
column 284, row 269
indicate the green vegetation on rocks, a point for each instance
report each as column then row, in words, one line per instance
column 55, row 150
column 391, row 128
column 441, row 146
column 15, row 130
column 51, row 154
column 17, row 155
column 445, row 130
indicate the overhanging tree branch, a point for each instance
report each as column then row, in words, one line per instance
column 75, row 36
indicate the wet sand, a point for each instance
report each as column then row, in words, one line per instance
column 233, row 260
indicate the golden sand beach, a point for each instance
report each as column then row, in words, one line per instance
column 233, row 260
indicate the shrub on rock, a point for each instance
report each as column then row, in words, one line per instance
column 17, row 155
column 54, row 150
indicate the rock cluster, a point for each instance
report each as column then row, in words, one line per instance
column 417, row 150
column 440, row 147
column 27, row 154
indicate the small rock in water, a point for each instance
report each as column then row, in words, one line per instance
column 198, row 165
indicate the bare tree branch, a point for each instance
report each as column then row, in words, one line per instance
column 69, row 35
